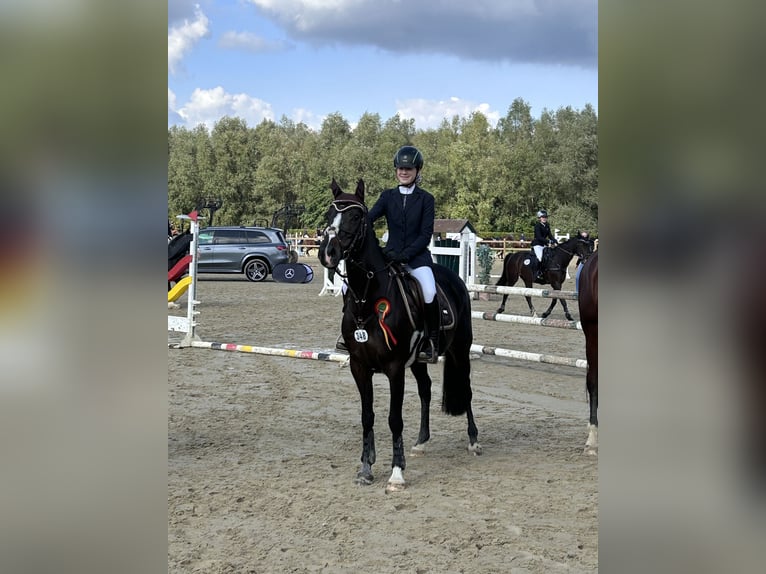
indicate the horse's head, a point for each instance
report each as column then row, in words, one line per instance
column 583, row 246
column 346, row 225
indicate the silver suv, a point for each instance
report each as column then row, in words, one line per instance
column 253, row 251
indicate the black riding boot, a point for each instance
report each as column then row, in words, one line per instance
column 429, row 348
column 340, row 344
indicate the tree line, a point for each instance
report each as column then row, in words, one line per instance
column 497, row 178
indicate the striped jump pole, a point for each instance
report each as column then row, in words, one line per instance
column 188, row 324
column 548, row 322
column 536, row 357
column 525, row 291
column 295, row 354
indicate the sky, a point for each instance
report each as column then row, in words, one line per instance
column 425, row 60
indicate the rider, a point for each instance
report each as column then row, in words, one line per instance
column 409, row 213
column 543, row 237
column 584, row 235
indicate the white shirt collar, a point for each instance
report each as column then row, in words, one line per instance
column 407, row 190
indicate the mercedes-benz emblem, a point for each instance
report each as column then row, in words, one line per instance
column 290, row 273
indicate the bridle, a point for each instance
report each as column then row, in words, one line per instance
column 357, row 239
column 572, row 253
column 357, row 236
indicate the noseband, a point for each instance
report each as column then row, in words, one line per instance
column 357, row 236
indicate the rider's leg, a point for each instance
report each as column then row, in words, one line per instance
column 429, row 348
column 538, row 249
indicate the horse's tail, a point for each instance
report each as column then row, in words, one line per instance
column 504, row 276
column 456, row 394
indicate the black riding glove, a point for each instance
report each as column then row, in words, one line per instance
column 391, row 253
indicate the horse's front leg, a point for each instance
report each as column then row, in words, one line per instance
column 363, row 378
column 551, row 306
column 591, row 380
column 501, row 309
column 420, row 371
column 566, row 310
column 396, row 424
column 531, row 306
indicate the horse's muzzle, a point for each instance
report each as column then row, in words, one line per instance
column 330, row 252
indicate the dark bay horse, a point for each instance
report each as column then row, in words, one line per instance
column 587, row 299
column 383, row 324
column 521, row 265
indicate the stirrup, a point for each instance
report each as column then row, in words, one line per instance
column 428, row 353
column 340, row 344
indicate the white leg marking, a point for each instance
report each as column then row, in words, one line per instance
column 396, row 482
column 591, row 445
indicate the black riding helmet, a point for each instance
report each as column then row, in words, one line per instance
column 408, row 156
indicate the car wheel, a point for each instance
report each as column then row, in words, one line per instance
column 256, row 270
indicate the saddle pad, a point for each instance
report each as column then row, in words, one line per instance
column 293, row 273
column 446, row 313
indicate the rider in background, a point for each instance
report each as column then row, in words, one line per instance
column 543, row 237
column 586, row 236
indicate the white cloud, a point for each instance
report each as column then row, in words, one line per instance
column 304, row 116
column 430, row 113
column 182, row 38
column 208, row 106
column 251, row 42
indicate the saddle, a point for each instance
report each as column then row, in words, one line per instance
column 545, row 264
column 413, row 296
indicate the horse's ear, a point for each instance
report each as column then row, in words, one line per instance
column 336, row 190
column 360, row 190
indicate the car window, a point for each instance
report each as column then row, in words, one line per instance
column 228, row 236
column 257, row 237
column 205, row 237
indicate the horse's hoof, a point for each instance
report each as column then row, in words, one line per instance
column 475, row 449
column 395, row 486
column 363, row 479
column 591, row 451
column 418, row 450
column 569, row 317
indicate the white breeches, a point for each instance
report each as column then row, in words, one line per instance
column 425, row 277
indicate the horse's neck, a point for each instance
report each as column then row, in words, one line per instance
column 565, row 253
column 367, row 261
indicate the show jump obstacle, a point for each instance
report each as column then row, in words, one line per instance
column 465, row 255
column 188, row 323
